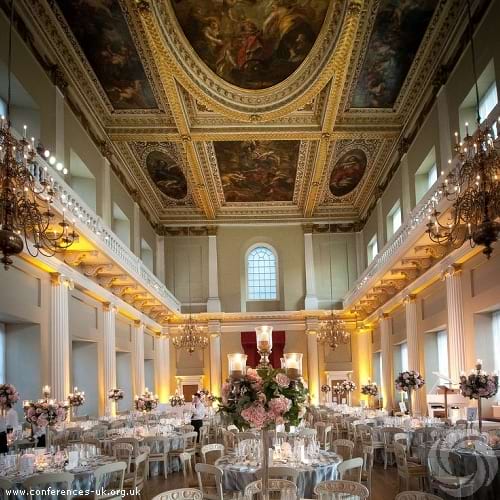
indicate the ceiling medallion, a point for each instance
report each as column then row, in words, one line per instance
column 270, row 60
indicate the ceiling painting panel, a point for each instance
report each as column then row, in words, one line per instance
column 396, row 36
column 257, row 171
column 103, row 34
column 347, row 172
column 253, row 44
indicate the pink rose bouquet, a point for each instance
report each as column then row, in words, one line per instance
column 116, row 394
column 45, row 412
column 8, row 395
column 478, row 384
column 146, row 402
column 409, row 380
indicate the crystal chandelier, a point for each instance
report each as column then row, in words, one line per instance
column 472, row 186
column 27, row 193
column 190, row 336
column 332, row 331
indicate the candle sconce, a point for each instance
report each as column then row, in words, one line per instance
column 264, row 344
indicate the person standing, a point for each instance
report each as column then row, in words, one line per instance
column 3, row 435
column 11, row 418
column 198, row 414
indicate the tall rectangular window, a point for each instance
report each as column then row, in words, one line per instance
column 394, row 220
column 442, row 349
column 372, row 249
column 404, row 357
column 426, row 175
column 488, row 101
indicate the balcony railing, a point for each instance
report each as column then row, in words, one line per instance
column 92, row 227
column 412, row 229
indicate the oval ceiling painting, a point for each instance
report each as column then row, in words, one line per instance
column 253, row 44
column 167, row 175
column 347, row 172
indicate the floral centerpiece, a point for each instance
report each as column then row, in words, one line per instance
column 146, row 402
column 478, row 385
column 347, row 387
column 177, row 400
column 266, row 398
column 369, row 389
column 408, row 381
column 45, row 412
column 116, row 394
column 325, row 388
column 8, row 395
column 207, row 397
column 76, row 398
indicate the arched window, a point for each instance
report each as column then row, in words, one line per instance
column 261, row 274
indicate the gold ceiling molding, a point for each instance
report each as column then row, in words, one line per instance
column 174, row 55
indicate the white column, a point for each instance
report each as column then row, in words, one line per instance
column 214, row 331
column 136, row 236
column 213, row 303
column 445, row 145
column 161, row 366
column 59, row 336
column 109, row 353
column 405, row 187
column 311, row 300
column 160, row 258
column 456, row 332
column 106, row 201
column 412, row 342
column 387, row 375
column 138, row 356
column 59, row 126
column 313, row 360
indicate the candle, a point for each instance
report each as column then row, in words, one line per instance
column 46, row 390
column 264, row 338
column 237, row 363
column 293, row 364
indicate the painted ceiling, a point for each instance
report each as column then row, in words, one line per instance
column 243, row 110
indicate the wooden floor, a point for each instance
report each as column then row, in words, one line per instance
column 385, row 484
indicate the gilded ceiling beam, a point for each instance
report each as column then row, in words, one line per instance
column 344, row 51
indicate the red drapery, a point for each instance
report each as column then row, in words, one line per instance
column 249, row 344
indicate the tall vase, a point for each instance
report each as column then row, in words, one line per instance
column 479, row 415
column 265, row 464
column 409, row 401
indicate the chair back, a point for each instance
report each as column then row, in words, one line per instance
column 123, row 452
column 228, row 439
column 140, row 470
column 343, row 447
column 242, row 436
column 351, row 469
column 204, row 434
column 186, row 428
column 389, row 433
column 74, row 434
column 416, row 495
column 400, row 453
column 130, row 440
column 207, row 474
column 345, row 490
column 189, row 441
column 100, row 431
column 61, row 480
column 212, row 449
column 110, row 478
column 282, row 472
column 281, row 486
column 187, row 467
column 180, row 494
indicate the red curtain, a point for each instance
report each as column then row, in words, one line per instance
column 249, row 344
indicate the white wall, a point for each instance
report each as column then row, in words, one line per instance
column 124, row 379
column 85, row 375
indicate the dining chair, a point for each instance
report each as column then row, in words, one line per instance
column 100, row 431
column 416, row 495
column 366, row 474
column 213, row 449
column 242, row 436
column 186, row 428
column 351, row 469
column 61, row 480
column 307, row 432
column 209, row 481
column 187, row 468
column 343, row 444
column 132, row 441
column 204, row 434
column 341, row 490
column 136, row 480
column 388, row 434
column 228, row 439
column 277, row 486
column 180, row 494
column 109, row 478
column 408, row 470
column 123, row 452
column 281, row 472
column 232, row 428
column 75, row 434
column 158, row 452
column 188, row 445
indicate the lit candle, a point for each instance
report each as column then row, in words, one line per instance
column 237, row 363
column 46, row 390
column 264, row 338
column 467, row 129
column 293, row 364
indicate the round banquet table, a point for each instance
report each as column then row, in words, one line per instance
column 84, row 478
column 237, row 476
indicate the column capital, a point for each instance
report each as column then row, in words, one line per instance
column 212, row 230
column 109, row 307
column 450, row 271
column 138, row 323
column 214, row 328
column 383, row 316
column 308, row 228
column 58, row 279
column 409, row 299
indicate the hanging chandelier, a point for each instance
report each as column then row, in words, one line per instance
column 332, row 332
column 472, row 186
column 27, row 193
column 190, row 336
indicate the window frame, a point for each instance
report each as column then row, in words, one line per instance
column 276, row 261
column 391, row 231
column 373, row 241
